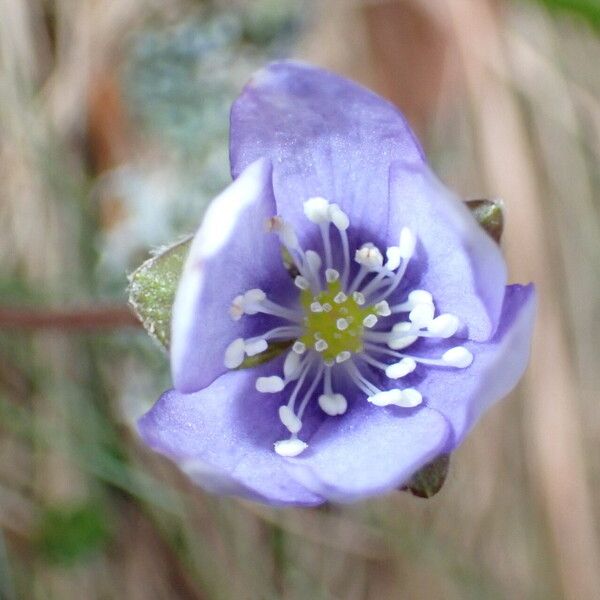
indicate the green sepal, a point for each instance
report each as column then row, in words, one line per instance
column 490, row 215
column 430, row 479
column 152, row 288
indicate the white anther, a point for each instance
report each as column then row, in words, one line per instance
column 270, row 385
column 422, row 315
column 327, row 307
column 284, row 230
column 342, row 324
column 339, row 217
column 401, row 337
column 255, row 347
column 290, row 448
column 289, row 419
column 458, row 357
column 370, row 321
column 343, row 356
column 444, row 326
column 386, row 398
column 393, row 258
column 332, row 275
column 410, row 398
column 299, row 347
column 420, row 297
column 407, row 244
column 236, row 310
column 301, row 282
column 401, row 369
column 369, row 256
column 254, row 296
column 317, row 210
column 291, row 366
column 314, row 260
column 340, row 298
column 333, row 404
column 383, row 309
column 235, row 354
column 316, row 307
column 321, row 345
column 359, row 298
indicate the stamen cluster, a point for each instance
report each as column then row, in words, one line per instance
column 343, row 330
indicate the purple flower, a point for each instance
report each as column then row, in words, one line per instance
column 336, row 240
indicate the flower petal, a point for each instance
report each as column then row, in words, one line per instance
column 326, row 137
column 462, row 395
column 231, row 253
column 222, row 437
column 463, row 267
column 370, row 450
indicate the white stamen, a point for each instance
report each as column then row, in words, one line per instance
column 370, row 321
column 415, row 298
column 393, row 258
column 458, row 357
column 317, row 210
column 407, row 243
column 270, row 385
column 346, row 255
column 338, row 217
column 309, row 393
column 401, row 369
column 316, row 307
column 333, row 404
column 340, row 298
column 369, row 256
column 289, row 419
column 314, row 261
column 359, row 298
column 343, row 356
column 235, row 354
column 422, row 315
column 420, row 297
column 401, row 336
column 383, row 309
column 236, row 310
column 444, row 326
column 291, row 366
column 360, row 381
column 299, row 347
column 254, row 296
column 290, row 448
column 255, row 346
column 342, row 324
column 327, row 307
column 285, row 231
column 386, row 398
column 301, row 282
column 410, row 398
column 321, row 346
column 332, row 275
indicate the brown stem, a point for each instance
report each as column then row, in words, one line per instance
column 88, row 318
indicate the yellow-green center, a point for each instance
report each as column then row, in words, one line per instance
column 339, row 321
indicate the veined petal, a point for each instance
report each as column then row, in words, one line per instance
column 462, row 395
column 326, row 137
column 231, row 253
column 461, row 265
column 370, row 450
column 222, row 437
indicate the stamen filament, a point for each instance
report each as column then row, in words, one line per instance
column 310, row 391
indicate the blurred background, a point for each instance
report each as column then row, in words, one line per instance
column 113, row 138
